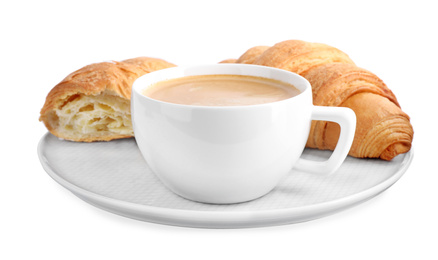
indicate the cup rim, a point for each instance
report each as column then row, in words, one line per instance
column 138, row 85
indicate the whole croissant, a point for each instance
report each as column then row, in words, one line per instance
column 93, row 103
column 383, row 129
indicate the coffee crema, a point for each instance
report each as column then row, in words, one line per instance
column 221, row 90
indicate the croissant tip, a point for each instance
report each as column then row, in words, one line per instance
column 395, row 149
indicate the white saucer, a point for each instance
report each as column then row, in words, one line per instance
column 113, row 176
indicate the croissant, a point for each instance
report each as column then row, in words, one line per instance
column 383, row 130
column 93, row 103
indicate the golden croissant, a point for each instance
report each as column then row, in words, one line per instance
column 93, row 103
column 383, row 129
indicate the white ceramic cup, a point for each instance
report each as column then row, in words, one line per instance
column 231, row 154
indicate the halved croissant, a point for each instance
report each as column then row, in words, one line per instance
column 383, row 129
column 93, row 103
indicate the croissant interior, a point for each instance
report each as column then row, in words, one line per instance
column 84, row 117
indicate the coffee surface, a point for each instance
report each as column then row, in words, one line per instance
column 221, row 90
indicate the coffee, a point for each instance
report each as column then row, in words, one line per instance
column 221, row 90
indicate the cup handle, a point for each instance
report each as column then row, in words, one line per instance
column 346, row 119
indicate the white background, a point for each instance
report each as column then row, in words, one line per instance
column 42, row 42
